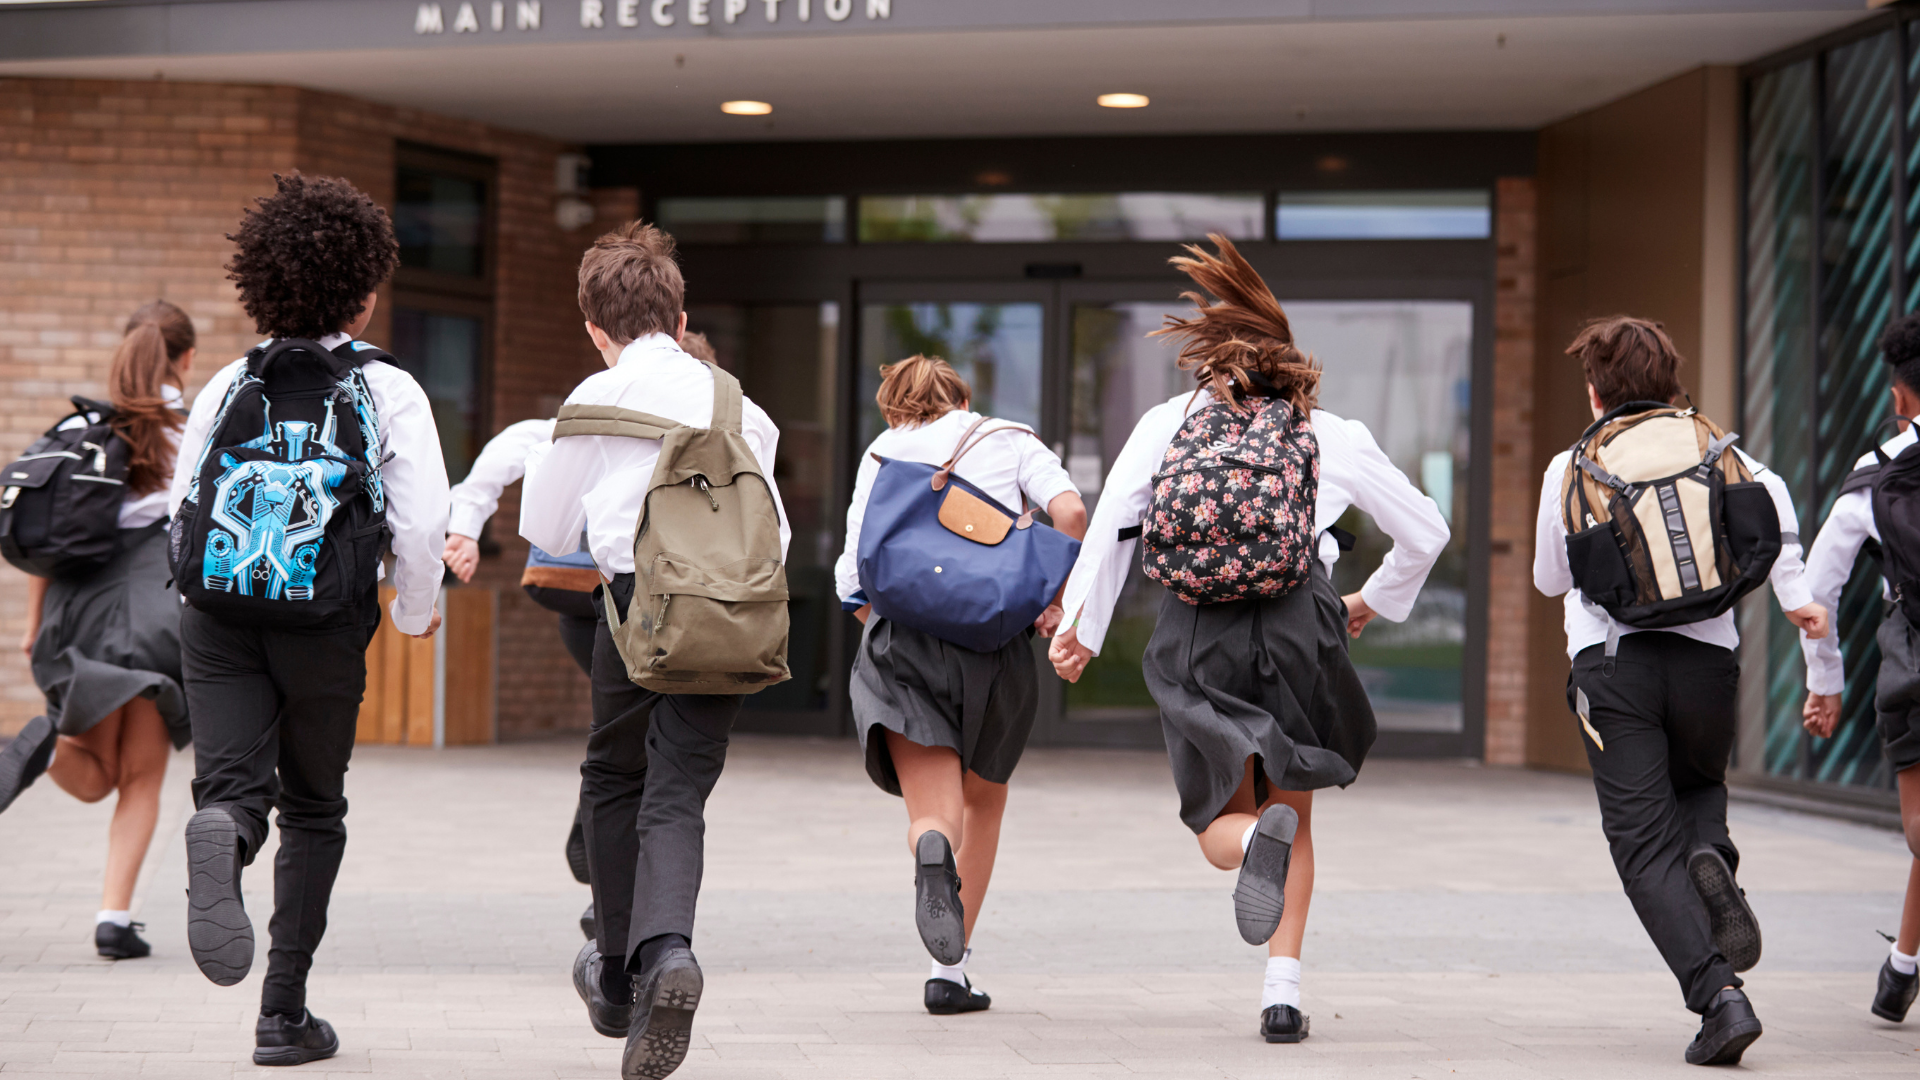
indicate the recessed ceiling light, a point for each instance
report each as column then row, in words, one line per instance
column 1122, row 101
column 745, row 108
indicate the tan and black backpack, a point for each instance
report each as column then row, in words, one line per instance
column 709, row 608
column 1665, row 523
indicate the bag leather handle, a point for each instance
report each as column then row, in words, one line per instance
column 1025, row 520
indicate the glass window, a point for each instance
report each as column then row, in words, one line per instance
column 1031, row 218
column 440, row 221
column 1384, row 215
column 444, row 354
column 1401, row 367
column 800, row 220
column 995, row 347
column 785, row 356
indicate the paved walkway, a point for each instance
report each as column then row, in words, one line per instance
column 1468, row 924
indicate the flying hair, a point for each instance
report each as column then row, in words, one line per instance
column 148, row 358
column 1240, row 337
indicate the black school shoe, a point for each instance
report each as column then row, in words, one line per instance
column 219, row 934
column 1284, row 1024
column 662, row 1025
column 937, row 912
column 577, row 854
column 116, row 942
column 608, row 1018
column 1726, row 1031
column 25, row 758
column 589, row 925
column 1736, row 933
column 1260, row 896
column 1895, row 994
column 946, row 998
column 290, row 1040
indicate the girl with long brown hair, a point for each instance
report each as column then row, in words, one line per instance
column 105, row 647
column 1236, row 486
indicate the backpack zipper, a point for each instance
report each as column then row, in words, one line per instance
column 1239, row 464
column 700, row 484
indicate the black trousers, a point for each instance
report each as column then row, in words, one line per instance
column 577, row 633
column 273, row 723
column 652, row 760
column 1665, row 719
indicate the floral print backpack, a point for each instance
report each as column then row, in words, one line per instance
column 1233, row 504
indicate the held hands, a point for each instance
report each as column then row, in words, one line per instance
column 1069, row 657
column 462, row 556
column 1049, row 620
column 1359, row 614
column 1821, row 715
column 1812, row 621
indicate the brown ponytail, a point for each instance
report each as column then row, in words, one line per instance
column 1241, row 334
column 920, row 389
column 157, row 336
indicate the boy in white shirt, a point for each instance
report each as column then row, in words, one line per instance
column 652, row 759
column 1659, row 720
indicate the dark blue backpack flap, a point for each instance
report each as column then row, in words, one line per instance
column 919, row 573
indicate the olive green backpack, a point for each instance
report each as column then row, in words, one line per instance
column 709, row 609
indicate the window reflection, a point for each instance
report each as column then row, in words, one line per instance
column 797, row 220
column 440, row 222
column 1384, row 215
column 995, row 347
column 1042, row 218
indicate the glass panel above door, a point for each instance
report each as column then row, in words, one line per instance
column 799, row 220
column 995, row 347
column 1141, row 215
column 444, row 354
column 1384, row 215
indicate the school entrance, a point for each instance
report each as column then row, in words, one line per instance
column 1042, row 298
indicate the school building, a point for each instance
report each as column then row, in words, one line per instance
column 1440, row 191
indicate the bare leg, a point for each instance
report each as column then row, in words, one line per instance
column 930, row 781
column 1909, row 940
column 986, row 803
column 1220, row 843
column 143, row 766
column 87, row 766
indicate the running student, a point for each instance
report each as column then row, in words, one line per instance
column 1657, row 707
column 1848, row 527
column 105, row 644
column 563, row 584
column 942, row 725
column 300, row 460
column 1258, row 700
column 652, row 759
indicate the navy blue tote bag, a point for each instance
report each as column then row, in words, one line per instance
column 942, row 556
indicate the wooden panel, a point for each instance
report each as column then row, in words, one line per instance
column 469, row 655
column 368, row 728
column 393, row 686
column 419, row 695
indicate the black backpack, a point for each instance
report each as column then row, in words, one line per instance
column 60, row 502
column 285, row 521
column 1894, row 484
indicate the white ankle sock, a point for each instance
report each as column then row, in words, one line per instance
column 117, row 918
column 955, row 974
column 1902, row 963
column 1246, row 838
column 1283, row 983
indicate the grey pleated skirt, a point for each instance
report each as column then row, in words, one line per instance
column 112, row 636
column 935, row 693
column 1268, row 679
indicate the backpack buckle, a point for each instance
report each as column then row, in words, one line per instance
column 7, row 497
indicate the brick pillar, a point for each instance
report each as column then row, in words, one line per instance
column 1515, row 488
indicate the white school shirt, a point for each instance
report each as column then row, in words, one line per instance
column 1353, row 473
column 599, row 482
column 502, row 461
column 1002, row 465
column 414, row 476
column 1830, row 563
column 138, row 511
column 1587, row 624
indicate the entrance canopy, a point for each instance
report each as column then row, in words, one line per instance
column 627, row 71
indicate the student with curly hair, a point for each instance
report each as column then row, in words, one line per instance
column 1235, row 487
column 275, row 696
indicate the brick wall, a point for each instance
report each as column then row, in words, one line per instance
column 115, row 192
column 1510, row 577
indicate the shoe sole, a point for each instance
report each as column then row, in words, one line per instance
column 219, row 934
column 1734, row 1043
column 581, row 985
column 18, row 754
column 577, row 855
column 292, row 1055
column 1298, row 1036
column 1260, row 894
column 117, row 954
column 658, row 1048
column 937, row 913
column 1736, row 932
column 589, row 926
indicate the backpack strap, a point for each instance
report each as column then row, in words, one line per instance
column 940, row 478
column 611, row 420
column 726, row 400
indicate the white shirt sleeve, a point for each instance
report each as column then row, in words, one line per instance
column 193, row 437
column 553, row 509
column 1408, row 517
column 1101, row 571
column 846, row 569
column 415, row 477
column 763, row 438
column 1551, row 573
column 503, row 461
column 1789, row 572
column 1042, row 477
column 1829, row 565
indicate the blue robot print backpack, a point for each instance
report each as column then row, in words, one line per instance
column 285, row 521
